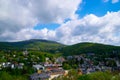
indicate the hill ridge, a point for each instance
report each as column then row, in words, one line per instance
column 31, row 44
column 88, row 47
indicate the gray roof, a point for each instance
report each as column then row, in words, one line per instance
column 37, row 76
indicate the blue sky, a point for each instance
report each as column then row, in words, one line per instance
column 51, row 26
column 64, row 21
column 96, row 7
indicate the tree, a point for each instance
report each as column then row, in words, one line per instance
column 5, row 76
column 66, row 66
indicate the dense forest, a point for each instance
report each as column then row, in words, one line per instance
column 52, row 47
column 97, row 48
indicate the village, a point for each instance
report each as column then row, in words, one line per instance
column 60, row 66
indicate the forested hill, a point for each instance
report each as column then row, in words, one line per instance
column 46, row 45
column 90, row 48
column 33, row 44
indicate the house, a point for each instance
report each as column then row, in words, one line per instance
column 60, row 60
column 25, row 53
column 69, row 57
column 83, row 70
column 20, row 65
column 54, row 73
column 3, row 64
column 41, row 76
column 12, row 66
column 38, row 67
column 52, row 65
column 118, row 63
column 0, row 66
column 46, row 59
column 90, row 70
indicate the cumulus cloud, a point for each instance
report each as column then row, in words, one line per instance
column 20, row 15
column 36, row 34
column 27, row 13
column 17, row 22
column 54, row 10
column 91, row 28
column 14, row 16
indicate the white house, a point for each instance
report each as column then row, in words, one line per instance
column 38, row 67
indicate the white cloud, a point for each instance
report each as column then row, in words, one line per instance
column 115, row 1
column 20, row 14
column 54, row 10
column 91, row 28
column 39, row 34
column 17, row 22
column 18, row 17
column 112, row 1
column 14, row 16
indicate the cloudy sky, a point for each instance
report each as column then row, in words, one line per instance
column 64, row 21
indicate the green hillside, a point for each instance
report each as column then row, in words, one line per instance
column 89, row 48
column 33, row 44
column 51, row 46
